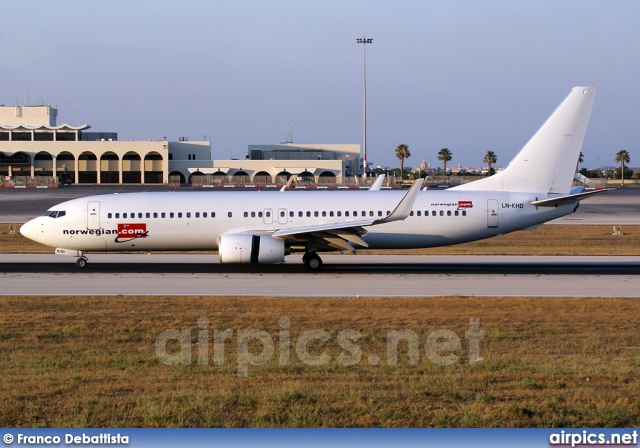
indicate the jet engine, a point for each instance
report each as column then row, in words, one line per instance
column 250, row 249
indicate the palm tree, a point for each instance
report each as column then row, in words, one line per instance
column 490, row 158
column 445, row 155
column 622, row 157
column 402, row 152
column 580, row 160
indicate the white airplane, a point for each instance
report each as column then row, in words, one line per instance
column 262, row 227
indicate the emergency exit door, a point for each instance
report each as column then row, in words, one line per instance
column 492, row 213
column 93, row 215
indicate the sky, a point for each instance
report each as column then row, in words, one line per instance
column 466, row 75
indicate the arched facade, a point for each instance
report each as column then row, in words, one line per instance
column 262, row 177
column 87, row 168
column 240, row 177
column 327, row 177
column 66, row 167
column 43, row 164
column 109, row 168
column 153, row 171
column 282, row 177
column 131, row 166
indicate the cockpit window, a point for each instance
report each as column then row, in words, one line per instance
column 54, row 213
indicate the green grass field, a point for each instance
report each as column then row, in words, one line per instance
column 92, row 362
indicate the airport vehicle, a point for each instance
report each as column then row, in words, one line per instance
column 262, row 227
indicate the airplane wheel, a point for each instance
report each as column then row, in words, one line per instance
column 312, row 261
column 81, row 262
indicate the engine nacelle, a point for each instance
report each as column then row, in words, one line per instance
column 250, row 249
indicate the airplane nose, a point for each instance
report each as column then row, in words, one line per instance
column 28, row 229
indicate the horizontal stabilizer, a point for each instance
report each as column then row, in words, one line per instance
column 553, row 202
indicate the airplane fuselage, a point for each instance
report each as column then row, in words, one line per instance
column 168, row 221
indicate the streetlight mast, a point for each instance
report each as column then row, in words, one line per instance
column 364, row 41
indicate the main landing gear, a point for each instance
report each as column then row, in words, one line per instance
column 312, row 261
column 81, row 262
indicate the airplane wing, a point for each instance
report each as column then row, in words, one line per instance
column 377, row 184
column 567, row 199
column 338, row 235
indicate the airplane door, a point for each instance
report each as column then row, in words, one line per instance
column 267, row 216
column 492, row 213
column 93, row 215
column 282, row 216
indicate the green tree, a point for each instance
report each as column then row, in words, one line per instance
column 490, row 158
column 402, row 153
column 622, row 157
column 445, row 155
column 580, row 160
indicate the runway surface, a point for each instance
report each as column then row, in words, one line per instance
column 342, row 276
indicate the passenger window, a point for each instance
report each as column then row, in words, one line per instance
column 268, row 214
column 259, row 214
column 411, row 214
column 346, row 214
column 419, row 213
column 148, row 215
column 339, row 213
column 300, row 214
column 464, row 213
column 282, row 214
column 308, row 214
column 331, row 213
column 324, row 214
column 197, row 214
column 253, row 214
column 315, row 214
column 204, row 214
column 364, row 213
column 229, row 214
column 179, row 214
column 441, row 213
column 433, row 213
column 109, row 215
column 448, row 212
column 246, row 214
column 155, row 215
column 371, row 213
column 291, row 214
column 171, row 215
column 213, row 214
column 140, row 215
column 124, row 215
column 457, row 212
column 188, row 214
column 379, row 212
column 117, row 215
column 163, row 215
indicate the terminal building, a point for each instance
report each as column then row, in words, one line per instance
column 36, row 151
column 321, row 164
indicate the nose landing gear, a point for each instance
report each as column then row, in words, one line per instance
column 81, row 262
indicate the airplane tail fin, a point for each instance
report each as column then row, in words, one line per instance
column 547, row 162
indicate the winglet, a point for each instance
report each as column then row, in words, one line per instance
column 403, row 209
column 377, row 184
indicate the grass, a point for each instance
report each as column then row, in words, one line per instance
column 545, row 240
column 547, row 362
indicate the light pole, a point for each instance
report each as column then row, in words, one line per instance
column 364, row 41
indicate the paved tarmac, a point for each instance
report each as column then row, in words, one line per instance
column 342, row 276
column 616, row 207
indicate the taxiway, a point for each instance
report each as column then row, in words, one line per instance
column 342, row 276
